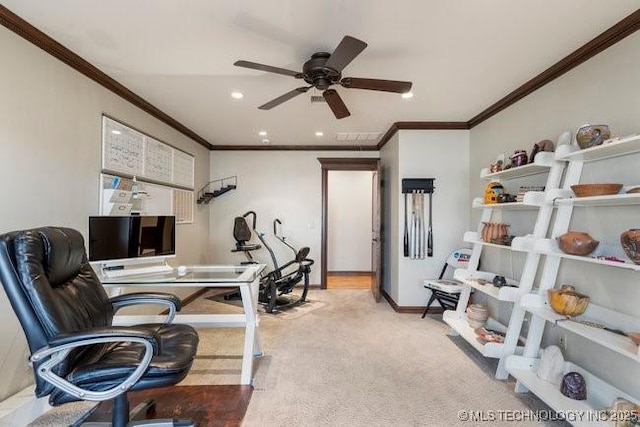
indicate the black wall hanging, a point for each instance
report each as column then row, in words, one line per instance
column 418, row 240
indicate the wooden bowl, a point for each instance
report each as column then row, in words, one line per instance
column 586, row 190
column 567, row 301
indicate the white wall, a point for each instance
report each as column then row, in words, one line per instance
column 277, row 184
column 50, row 140
column 349, row 220
column 391, row 233
column 443, row 155
column 605, row 89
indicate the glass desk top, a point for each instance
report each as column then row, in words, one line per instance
column 230, row 274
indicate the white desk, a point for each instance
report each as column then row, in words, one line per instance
column 245, row 277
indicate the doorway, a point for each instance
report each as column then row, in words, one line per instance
column 368, row 243
column 349, row 225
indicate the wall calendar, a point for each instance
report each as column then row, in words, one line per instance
column 131, row 152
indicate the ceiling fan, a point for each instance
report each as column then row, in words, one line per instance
column 324, row 70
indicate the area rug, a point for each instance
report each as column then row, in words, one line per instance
column 286, row 313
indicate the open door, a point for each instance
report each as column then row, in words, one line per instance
column 376, row 234
column 354, row 164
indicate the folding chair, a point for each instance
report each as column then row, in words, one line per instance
column 447, row 291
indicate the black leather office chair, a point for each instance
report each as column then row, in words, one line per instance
column 67, row 318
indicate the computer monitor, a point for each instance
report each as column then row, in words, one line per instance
column 119, row 240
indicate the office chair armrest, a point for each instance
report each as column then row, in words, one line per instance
column 60, row 347
column 111, row 333
column 160, row 298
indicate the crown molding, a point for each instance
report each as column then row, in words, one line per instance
column 294, row 148
column 420, row 126
column 613, row 35
column 30, row 33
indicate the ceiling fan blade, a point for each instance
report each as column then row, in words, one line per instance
column 287, row 96
column 268, row 68
column 336, row 104
column 346, row 51
column 376, row 84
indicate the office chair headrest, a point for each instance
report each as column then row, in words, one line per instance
column 60, row 252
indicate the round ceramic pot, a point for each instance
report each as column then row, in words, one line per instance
column 630, row 241
column 589, row 136
column 577, row 243
column 519, row 158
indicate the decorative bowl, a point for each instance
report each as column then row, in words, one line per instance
column 477, row 315
column 630, row 241
column 591, row 135
column 577, row 243
column 567, row 301
column 633, row 190
column 586, row 190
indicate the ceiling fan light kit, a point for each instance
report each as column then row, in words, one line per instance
column 324, row 70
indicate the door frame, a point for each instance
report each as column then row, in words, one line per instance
column 337, row 164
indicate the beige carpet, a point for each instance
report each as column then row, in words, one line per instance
column 357, row 363
column 342, row 360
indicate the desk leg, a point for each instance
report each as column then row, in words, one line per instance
column 249, row 294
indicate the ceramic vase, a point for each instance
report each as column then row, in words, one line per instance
column 630, row 241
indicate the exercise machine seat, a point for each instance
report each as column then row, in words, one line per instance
column 242, row 234
column 67, row 317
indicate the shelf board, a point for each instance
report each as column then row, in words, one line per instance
column 537, row 305
column 608, row 149
column 519, row 206
column 541, row 164
column 459, row 324
column 550, row 247
column 474, row 237
column 522, row 243
column 611, row 200
column 505, row 293
column 600, row 395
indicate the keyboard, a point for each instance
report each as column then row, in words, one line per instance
column 112, row 274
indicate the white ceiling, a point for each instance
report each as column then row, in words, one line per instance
column 461, row 55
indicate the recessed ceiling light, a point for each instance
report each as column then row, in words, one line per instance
column 319, row 133
column 262, row 133
column 116, row 132
column 237, row 95
column 265, row 141
column 407, row 95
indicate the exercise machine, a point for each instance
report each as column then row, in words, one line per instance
column 276, row 285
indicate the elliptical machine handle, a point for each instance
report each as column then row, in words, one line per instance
column 281, row 238
column 275, row 227
column 253, row 226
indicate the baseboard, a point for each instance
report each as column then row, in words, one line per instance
column 350, row 273
column 409, row 309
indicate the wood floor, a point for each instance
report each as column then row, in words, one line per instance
column 214, row 405
column 349, row 281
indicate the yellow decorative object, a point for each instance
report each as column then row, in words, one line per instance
column 492, row 192
column 567, row 301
